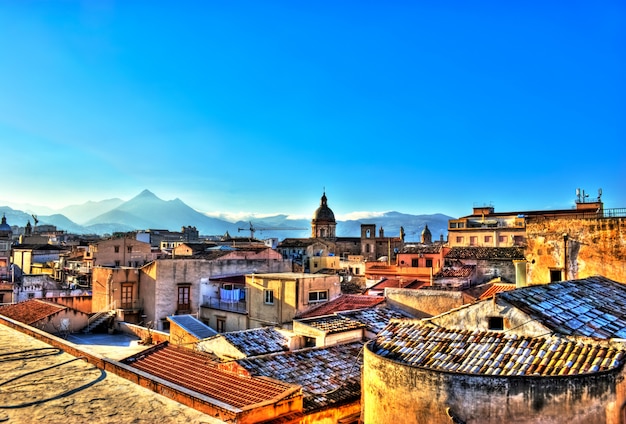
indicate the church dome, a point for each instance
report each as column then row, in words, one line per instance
column 324, row 213
column 4, row 226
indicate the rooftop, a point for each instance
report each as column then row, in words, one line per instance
column 329, row 376
column 593, row 307
column 344, row 302
column 193, row 326
column 508, row 253
column 421, row 344
column 74, row 392
column 198, row 372
column 31, row 311
column 332, row 324
column 257, row 341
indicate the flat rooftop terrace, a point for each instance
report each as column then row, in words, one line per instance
column 44, row 384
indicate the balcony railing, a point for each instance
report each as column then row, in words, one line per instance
column 217, row 303
column 132, row 305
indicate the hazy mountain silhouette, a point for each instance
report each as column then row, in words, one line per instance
column 83, row 213
column 147, row 211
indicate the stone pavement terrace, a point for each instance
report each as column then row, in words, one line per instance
column 44, row 384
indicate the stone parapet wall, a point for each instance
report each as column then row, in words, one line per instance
column 594, row 247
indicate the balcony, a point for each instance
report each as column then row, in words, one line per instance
column 224, row 304
column 131, row 306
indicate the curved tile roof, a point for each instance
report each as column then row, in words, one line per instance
column 418, row 343
column 591, row 307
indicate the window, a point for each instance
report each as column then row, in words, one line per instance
column 415, row 262
column 461, row 224
column 473, row 240
column 183, row 298
column 556, row 275
column 117, row 263
column 116, row 249
column 221, row 324
column 453, row 225
column 31, row 295
column 459, row 239
column 429, row 263
column 129, row 249
column 488, row 239
column 501, row 239
column 496, row 323
column 318, row 296
column 268, row 296
column 127, row 296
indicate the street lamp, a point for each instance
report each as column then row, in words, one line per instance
column 565, row 237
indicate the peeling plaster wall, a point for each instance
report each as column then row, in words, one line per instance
column 431, row 302
column 396, row 393
column 594, row 247
column 476, row 317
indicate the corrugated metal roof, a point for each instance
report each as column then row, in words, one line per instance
column 419, row 343
column 193, row 326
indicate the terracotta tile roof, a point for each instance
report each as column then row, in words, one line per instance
column 429, row 248
column 329, row 376
column 296, row 242
column 345, row 302
column 421, row 344
column 257, row 341
column 593, row 307
column 496, row 288
column 464, row 271
column 332, row 324
column 482, row 253
column 197, row 372
column 31, row 311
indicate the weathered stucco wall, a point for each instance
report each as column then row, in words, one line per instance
column 476, row 317
column 395, row 393
column 594, row 247
column 431, row 302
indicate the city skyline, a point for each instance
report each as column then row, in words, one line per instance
column 250, row 108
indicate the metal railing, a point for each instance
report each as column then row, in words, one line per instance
column 94, row 317
column 217, row 303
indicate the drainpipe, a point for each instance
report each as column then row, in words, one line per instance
column 565, row 237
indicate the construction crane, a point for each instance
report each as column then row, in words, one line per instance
column 254, row 229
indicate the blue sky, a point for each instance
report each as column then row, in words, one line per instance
column 258, row 107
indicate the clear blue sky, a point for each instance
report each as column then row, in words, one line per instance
column 259, row 106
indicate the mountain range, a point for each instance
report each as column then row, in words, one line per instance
column 147, row 211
